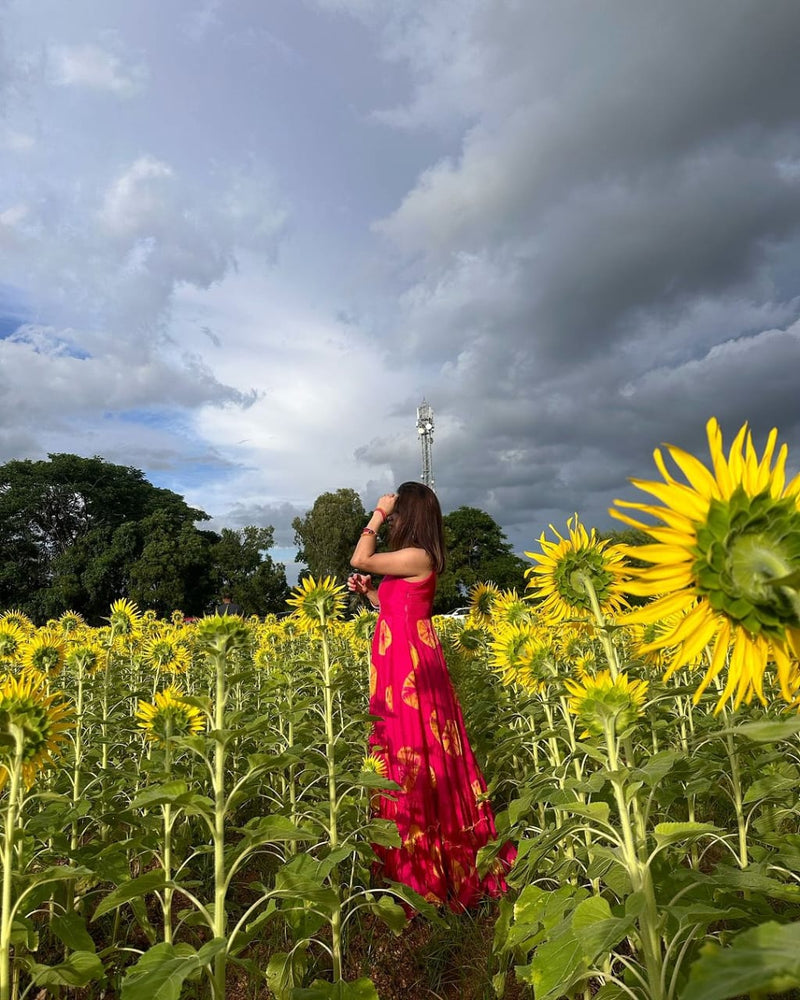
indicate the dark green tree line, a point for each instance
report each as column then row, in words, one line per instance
column 79, row 533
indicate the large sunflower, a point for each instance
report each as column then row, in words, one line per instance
column 572, row 571
column 167, row 652
column 125, row 617
column 521, row 656
column 169, row 715
column 726, row 559
column 12, row 638
column 40, row 718
column 481, row 600
column 317, row 602
column 87, row 658
column 44, row 652
column 70, row 623
column 19, row 618
column 602, row 701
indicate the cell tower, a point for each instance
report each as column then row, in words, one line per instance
column 425, row 431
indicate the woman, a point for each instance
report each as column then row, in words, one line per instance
column 441, row 811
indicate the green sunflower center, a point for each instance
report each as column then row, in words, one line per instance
column 748, row 559
column 573, row 571
column 34, row 721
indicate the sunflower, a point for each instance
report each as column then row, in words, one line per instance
column 70, row 623
column 481, row 599
column 86, row 658
column 362, row 628
column 167, row 652
column 169, row 716
column 317, row 602
column 573, row 571
column 726, row 558
column 40, row 719
column 469, row 638
column 221, row 634
column 510, row 608
column 267, row 645
column 44, row 652
column 600, row 702
column 125, row 617
column 585, row 665
column 20, row 619
column 521, row 656
column 11, row 639
column 375, row 764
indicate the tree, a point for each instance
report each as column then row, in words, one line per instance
column 173, row 569
column 72, row 531
column 243, row 567
column 328, row 533
column 477, row 552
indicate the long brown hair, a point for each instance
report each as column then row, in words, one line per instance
column 417, row 522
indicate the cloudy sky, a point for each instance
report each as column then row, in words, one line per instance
column 240, row 240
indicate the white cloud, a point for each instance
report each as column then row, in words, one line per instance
column 13, row 215
column 95, row 68
column 135, row 202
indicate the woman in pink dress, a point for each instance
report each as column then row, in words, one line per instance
column 441, row 811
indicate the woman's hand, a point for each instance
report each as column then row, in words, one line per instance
column 386, row 503
column 359, row 583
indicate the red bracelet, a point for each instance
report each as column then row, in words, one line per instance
column 368, row 531
column 381, row 511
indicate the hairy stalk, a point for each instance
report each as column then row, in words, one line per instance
column 330, row 754
column 12, row 815
column 633, row 847
column 218, row 779
column 605, row 639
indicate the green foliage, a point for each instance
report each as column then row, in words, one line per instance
column 72, row 528
column 244, row 568
column 477, row 551
column 77, row 533
column 327, row 534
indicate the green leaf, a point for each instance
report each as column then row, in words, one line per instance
column 754, row 880
column 167, row 792
column 71, row 930
column 389, row 911
column 80, row 968
column 360, row 989
column 58, row 873
column 590, row 810
column 557, row 966
column 597, row 930
column 772, row 786
column 769, row 732
column 673, row 833
column 136, row 887
column 285, row 972
column 24, row 933
column 160, row 972
column 383, row 832
column 275, row 829
column 765, row 958
column 658, row 766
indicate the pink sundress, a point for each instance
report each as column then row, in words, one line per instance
column 441, row 813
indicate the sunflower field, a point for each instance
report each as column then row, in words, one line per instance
column 185, row 806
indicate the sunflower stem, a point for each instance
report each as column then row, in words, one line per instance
column 330, row 754
column 605, row 639
column 633, row 847
column 219, row 823
column 12, row 814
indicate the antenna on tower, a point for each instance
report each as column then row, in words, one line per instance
column 425, row 431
